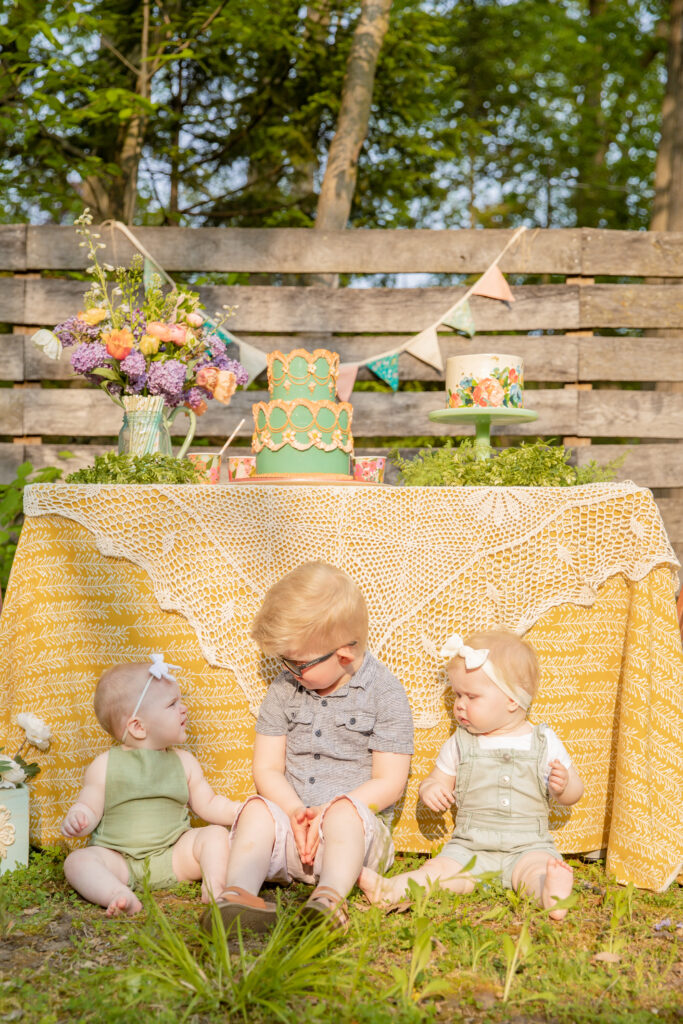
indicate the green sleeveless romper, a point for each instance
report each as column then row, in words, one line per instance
column 145, row 812
column 502, row 802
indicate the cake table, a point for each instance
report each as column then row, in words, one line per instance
column 104, row 574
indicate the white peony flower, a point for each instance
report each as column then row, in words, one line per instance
column 49, row 342
column 11, row 773
column 37, row 732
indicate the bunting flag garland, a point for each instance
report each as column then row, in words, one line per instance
column 425, row 347
column 460, row 319
column 346, row 378
column 386, row 368
column 492, row 285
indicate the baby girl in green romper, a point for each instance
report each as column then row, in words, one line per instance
column 500, row 771
column 135, row 798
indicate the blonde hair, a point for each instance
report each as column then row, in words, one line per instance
column 116, row 694
column 314, row 607
column 513, row 658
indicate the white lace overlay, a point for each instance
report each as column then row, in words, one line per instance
column 431, row 560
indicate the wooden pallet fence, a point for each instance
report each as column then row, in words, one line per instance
column 583, row 298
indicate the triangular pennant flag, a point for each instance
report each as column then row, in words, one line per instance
column 460, row 319
column 346, row 378
column 252, row 359
column 386, row 369
column 493, row 285
column 425, row 346
column 148, row 272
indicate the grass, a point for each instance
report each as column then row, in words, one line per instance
column 491, row 956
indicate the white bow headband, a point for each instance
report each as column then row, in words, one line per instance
column 157, row 670
column 473, row 658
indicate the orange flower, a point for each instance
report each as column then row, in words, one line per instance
column 488, row 392
column 159, row 330
column 225, row 386
column 119, row 343
column 93, row 316
column 149, row 345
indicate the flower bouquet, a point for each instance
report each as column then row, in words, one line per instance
column 148, row 350
column 14, row 772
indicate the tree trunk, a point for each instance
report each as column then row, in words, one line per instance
column 339, row 182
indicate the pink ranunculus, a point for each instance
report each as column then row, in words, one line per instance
column 207, row 377
column 488, row 392
column 159, row 330
column 195, row 319
column 225, row 386
column 177, row 333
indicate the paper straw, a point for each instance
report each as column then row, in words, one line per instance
column 227, row 443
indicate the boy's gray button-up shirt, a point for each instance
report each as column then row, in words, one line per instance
column 331, row 739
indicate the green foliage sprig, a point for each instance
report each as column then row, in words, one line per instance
column 136, row 469
column 534, row 464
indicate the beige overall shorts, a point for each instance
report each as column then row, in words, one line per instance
column 502, row 802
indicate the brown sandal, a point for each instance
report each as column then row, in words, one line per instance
column 235, row 904
column 325, row 905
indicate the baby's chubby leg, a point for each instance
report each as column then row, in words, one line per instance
column 101, row 876
column 545, row 878
column 203, row 853
column 444, row 870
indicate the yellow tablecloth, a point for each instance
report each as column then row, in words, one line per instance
column 101, row 573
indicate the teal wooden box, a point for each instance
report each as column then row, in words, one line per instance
column 13, row 828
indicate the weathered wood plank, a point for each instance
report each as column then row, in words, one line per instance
column 89, row 413
column 632, row 305
column 626, row 358
column 13, row 247
column 302, row 250
column 631, row 253
column 12, row 357
column 586, row 251
column 266, row 309
column 606, row 413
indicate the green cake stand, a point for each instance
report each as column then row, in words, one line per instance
column 482, row 418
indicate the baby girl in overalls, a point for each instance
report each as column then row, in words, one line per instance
column 500, row 771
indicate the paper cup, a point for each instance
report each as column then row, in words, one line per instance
column 208, row 465
column 241, row 466
column 369, row 468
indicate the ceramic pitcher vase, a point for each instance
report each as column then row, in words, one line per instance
column 13, row 828
column 147, row 426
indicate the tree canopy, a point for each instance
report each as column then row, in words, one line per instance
column 484, row 112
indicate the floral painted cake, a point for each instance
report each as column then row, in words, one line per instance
column 486, row 380
column 303, row 430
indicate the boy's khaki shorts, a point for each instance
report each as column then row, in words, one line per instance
column 285, row 863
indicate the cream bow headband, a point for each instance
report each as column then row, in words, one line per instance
column 473, row 658
column 157, row 670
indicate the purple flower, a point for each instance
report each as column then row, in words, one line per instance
column 73, row 331
column 167, row 379
column 88, row 356
column 195, row 396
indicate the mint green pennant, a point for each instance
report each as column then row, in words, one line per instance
column 461, row 319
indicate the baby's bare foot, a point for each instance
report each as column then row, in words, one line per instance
column 123, row 902
column 377, row 889
column 559, row 879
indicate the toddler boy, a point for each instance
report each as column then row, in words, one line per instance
column 331, row 757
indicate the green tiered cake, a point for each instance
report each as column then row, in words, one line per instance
column 303, row 430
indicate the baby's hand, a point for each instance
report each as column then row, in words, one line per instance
column 436, row 796
column 558, row 778
column 76, row 821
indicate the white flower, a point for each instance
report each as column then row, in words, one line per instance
column 37, row 732
column 11, row 773
column 49, row 342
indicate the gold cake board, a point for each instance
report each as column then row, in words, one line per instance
column 307, row 478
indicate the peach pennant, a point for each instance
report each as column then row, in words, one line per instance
column 492, row 285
